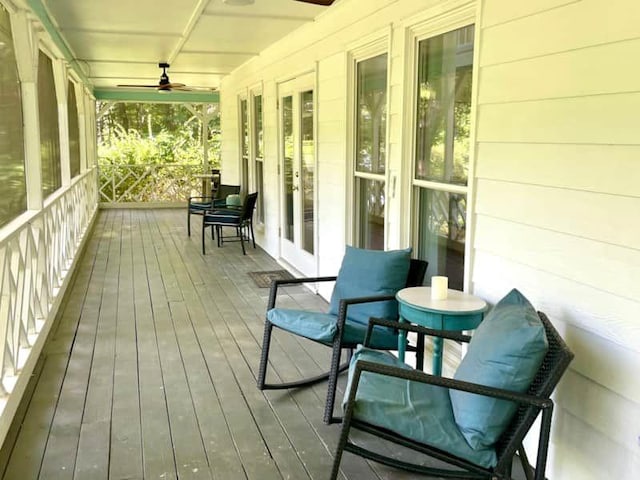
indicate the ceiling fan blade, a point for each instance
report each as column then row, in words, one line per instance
column 323, row 3
column 139, row 86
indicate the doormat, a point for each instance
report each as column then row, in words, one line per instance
column 263, row 279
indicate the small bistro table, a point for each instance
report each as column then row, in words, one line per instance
column 459, row 311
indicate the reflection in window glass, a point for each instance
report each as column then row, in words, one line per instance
column 371, row 199
column 244, row 125
column 371, row 116
column 74, row 131
column 445, row 70
column 287, row 144
column 257, row 108
column 13, row 200
column 308, row 170
column 441, row 218
column 259, row 154
column 49, row 130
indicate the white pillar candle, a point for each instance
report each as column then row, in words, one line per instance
column 439, row 287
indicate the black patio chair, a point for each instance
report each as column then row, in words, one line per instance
column 240, row 218
column 365, row 287
column 199, row 205
column 433, row 427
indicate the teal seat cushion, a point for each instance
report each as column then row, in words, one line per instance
column 199, row 206
column 505, row 352
column 365, row 273
column 417, row 411
column 316, row 326
column 322, row 327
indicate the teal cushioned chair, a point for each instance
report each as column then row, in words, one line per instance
column 432, row 415
column 365, row 287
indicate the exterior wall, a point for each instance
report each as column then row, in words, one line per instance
column 557, row 175
column 555, row 183
column 323, row 47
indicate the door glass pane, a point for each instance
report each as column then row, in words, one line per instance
column 441, row 218
column 445, row 70
column 371, row 198
column 49, row 132
column 244, row 125
column 371, row 116
column 287, row 177
column 74, row 131
column 308, row 169
column 14, row 198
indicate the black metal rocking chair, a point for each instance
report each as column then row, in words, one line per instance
column 534, row 401
column 348, row 334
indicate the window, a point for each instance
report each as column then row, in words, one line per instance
column 14, row 198
column 258, row 149
column 49, row 131
column 74, row 131
column 370, row 153
column 244, row 145
column 443, row 119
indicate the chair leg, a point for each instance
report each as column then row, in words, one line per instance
column 203, row 227
column 188, row 222
column 420, row 352
column 342, row 442
column 333, row 381
column 242, row 243
column 253, row 235
column 264, row 357
column 524, row 461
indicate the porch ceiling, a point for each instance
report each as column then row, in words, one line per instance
column 122, row 41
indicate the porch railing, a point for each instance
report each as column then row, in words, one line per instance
column 153, row 183
column 35, row 261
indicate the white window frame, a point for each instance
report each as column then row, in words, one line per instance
column 254, row 92
column 432, row 23
column 378, row 43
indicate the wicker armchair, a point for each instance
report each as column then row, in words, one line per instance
column 534, row 401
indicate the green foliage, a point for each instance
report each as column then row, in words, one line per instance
column 149, row 152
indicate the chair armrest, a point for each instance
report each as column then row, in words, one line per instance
column 409, row 327
column 200, row 198
column 293, row 281
column 345, row 302
column 450, row 383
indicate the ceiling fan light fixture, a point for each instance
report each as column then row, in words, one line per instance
column 238, row 2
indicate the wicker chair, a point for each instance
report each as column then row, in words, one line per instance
column 341, row 325
column 530, row 404
column 199, row 205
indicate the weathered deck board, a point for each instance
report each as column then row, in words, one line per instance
column 150, row 371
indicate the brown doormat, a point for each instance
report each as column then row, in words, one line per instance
column 263, row 279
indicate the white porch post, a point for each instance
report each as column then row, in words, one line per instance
column 26, row 45
column 61, row 85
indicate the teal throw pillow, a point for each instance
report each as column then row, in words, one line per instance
column 505, row 352
column 367, row 273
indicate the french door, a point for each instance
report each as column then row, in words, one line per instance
column 298, row 173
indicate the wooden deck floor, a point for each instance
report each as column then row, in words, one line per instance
column 150, row 371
